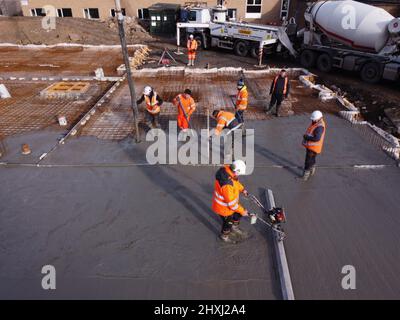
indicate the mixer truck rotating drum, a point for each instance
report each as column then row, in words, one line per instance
column 352, row 36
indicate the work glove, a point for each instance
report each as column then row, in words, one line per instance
column 245, row 213
column 245, row 193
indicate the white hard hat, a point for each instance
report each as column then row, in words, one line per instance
column 147, row 90
column 239, row 167
column 316, row 115
column 191, row 36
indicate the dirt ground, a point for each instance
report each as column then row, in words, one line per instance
column 59, row 61
column 29, row 30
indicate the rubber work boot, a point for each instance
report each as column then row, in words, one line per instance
column 312, row 170
column 225, row 237
column 239, row 232
column 306, row 175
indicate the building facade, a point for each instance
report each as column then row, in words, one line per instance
column 10, row 8
column 247, row 10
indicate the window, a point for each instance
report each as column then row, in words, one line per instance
column 122, row 10
column 232, row 14
column 285, row 9
column 253, row 9
column 192, row 15
column 143, row 14
column 38, row 12
column 91, row 13
column 64, row 12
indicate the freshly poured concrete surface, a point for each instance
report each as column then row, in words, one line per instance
column 138, row 231
column 141, row 232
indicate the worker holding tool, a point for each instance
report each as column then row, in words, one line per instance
column 279, row 91
column 192, row 48
column 225, row 120
column 186, row 106
column 153, row 103
column 241, row 101
column 225, row 203
column 313, row 141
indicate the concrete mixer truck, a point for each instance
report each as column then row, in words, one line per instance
column 353, row 36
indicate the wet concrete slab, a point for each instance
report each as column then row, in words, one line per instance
column 152, row 227
column 340, row 217
column 115, row 227
column 277, row 143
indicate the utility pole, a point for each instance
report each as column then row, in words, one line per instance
column 131, row 85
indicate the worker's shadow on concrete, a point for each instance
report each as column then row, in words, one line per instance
column 207, row 188
column 184, row 195
column 279, row 160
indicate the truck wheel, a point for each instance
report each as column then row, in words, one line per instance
column 324, row 62
column 241, row 48
column 371, row 72
column 254, row 52
column 307, row 58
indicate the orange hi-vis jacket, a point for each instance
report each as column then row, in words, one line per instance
column 188, row 105
column 152, row 105
column 315, row 146
column 284, row 88
column 224, row 118
column 241, row 99
column 226, row 193
column 192, row 47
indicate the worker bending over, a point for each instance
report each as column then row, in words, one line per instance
column 241, row 101
column 225, row 203
column 153, row 103
column 279, row 90
column 225, row 120
column 192, row 48
column 313, row 141
column 186, row 106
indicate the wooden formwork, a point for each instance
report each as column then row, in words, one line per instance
column 139, row 56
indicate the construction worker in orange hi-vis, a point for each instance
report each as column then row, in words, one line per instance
column 225, row 120
column 186, row 106
column 225, row 203
column 192, row 48
column 313, row 141
column 153, row 104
